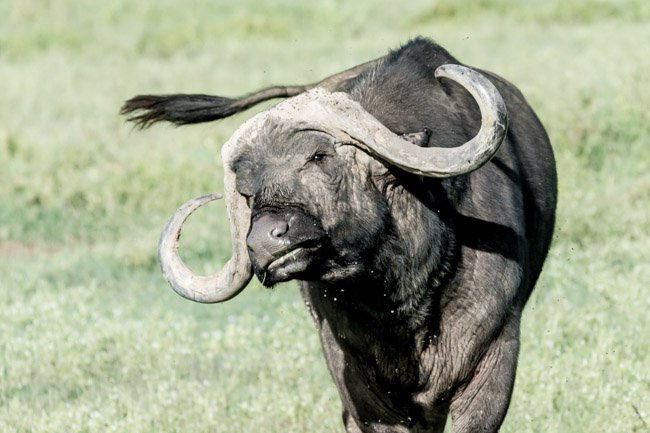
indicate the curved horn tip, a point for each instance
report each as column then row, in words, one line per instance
column 450, row 70
column 494, row 113
column 219, row 287
column 444, row 162
column 481, row 88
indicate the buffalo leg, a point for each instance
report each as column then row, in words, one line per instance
column 481, row 405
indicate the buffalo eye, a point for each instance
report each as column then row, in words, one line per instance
column 318, row 157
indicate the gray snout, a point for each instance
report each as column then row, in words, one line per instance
column 268, row 238
column 282, row 243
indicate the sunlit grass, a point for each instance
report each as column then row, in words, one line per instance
column 93, row 340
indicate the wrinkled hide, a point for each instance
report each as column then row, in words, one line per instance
column 416, row 284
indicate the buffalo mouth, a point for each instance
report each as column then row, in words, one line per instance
column 290, row 263
column 293, row 262
column 283, row 243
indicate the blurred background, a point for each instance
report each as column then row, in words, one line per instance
column 92, row 338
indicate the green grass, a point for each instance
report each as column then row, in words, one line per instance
column 92, row 339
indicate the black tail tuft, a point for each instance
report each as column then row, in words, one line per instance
column 145, row 110
column 182, row 109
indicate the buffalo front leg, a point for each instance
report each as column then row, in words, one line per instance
column 481, row 405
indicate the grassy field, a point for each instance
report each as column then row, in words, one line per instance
column 93, row 340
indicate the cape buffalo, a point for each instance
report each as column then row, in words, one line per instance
column 414, row 213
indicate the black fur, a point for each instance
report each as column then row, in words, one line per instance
column 416, row 285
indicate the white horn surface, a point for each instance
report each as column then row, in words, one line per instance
column 219, row 287
column 237, row 272
column 345, row 119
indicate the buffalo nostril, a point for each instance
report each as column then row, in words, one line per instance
column 280, row 230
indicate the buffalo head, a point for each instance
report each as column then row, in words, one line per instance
column 299, row 175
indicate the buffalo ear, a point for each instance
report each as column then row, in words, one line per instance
column 243, row 169
column 418, row 138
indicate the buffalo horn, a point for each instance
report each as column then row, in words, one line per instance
column 229, row 280
column 454, row 161
column 348, row 117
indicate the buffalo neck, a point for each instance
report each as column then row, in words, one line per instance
column 391, row 315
